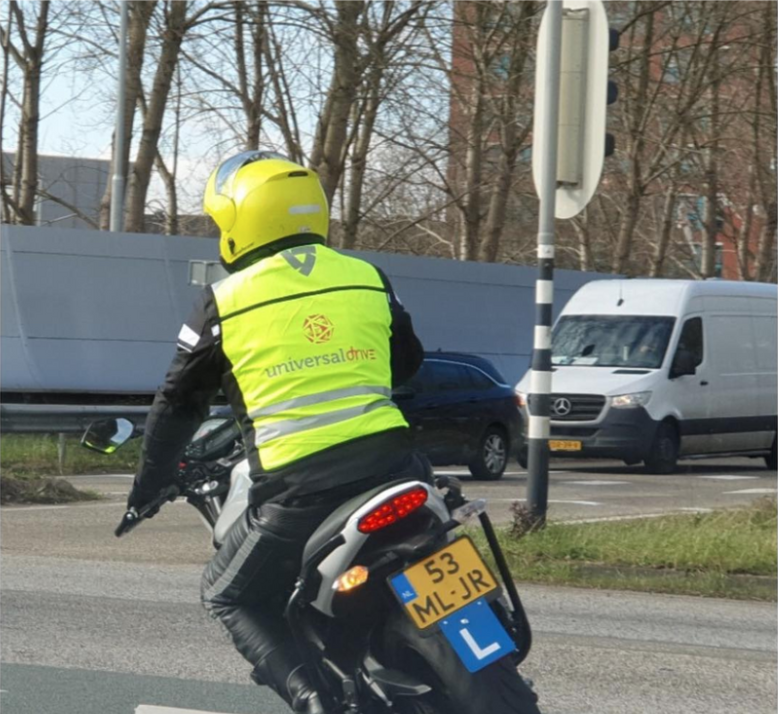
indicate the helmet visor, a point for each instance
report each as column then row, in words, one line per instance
column 226, row 172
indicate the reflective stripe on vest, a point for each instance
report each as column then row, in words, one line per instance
column 319, row 398
column 308, row 342
column 294, row 426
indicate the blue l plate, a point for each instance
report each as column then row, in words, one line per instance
column 477, row 636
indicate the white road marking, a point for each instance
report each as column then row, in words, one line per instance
column 14, row 509
column 754, row 490
column 551, row 500
column 101, row 476
column 7, row 510
column 728, row 477
column 465, row 472
column 597, row 483
column 605, row 519
column 697, row 510
column 152, row 709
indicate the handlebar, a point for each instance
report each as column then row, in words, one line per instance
column 133, row 517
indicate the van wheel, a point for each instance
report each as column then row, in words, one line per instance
column 663, row 455
column 771, row 460
column 492, row 455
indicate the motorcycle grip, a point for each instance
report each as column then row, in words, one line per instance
column 132, row 517
column 128, row 522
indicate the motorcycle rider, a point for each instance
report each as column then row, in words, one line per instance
column 306, row 344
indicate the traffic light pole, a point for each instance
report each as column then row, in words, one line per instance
column 539, row 400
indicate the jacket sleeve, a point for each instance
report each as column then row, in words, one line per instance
column 406, row 348
column 182, row 402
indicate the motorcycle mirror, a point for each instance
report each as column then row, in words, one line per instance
column 107, row 435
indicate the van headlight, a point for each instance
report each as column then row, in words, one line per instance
column 627, row 401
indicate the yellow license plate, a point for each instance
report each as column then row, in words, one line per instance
column 444, row 582
column 555, row 445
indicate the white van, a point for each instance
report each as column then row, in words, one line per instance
column 654, row 370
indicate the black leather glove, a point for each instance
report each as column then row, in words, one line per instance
column 140, row 497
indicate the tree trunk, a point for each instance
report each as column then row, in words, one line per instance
column 708, row 261
column 9, row 208
column 152, row 121
column 251, row 99
column 665, row 231
column 254, row 116
column 468, row 246
column 636, row 145
column 359, row 160
column 581, row 227
column 765, row 254
column 28, row 159
column 332, row 129
column 140, row 12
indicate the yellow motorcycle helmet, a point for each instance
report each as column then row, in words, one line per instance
column 258, row 197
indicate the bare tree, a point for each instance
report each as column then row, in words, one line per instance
column 28, row 56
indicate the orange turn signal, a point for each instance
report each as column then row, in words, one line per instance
column 351, row 579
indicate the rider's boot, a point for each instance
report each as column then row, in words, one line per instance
column 282, row 672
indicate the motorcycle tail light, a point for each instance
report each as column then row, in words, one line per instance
column 351, row 579
column 393, row 510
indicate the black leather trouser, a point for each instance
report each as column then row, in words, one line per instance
column 249, row 580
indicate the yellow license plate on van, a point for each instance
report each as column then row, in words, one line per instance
column 556, row 445
column 444, row 582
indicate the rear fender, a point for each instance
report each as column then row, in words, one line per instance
column 342, row 558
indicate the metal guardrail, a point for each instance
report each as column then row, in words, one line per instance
column 69, row 418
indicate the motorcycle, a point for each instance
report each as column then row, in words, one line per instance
column 392, row 610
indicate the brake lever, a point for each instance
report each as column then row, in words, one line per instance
column 133, row 517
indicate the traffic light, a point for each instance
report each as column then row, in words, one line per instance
column 613, row 89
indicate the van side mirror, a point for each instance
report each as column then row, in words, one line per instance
column 683, row 364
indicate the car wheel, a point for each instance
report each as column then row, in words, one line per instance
column 663, row 455
column 771, row 460
column 492, row 455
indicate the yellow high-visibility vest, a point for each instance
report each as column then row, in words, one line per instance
column 307, row 334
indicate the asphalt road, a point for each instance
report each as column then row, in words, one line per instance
column 92, row 624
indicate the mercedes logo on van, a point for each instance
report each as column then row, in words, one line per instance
column 561, row 407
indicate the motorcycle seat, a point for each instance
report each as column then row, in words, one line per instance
column 338, row 518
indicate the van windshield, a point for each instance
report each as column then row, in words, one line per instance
column 611, row 340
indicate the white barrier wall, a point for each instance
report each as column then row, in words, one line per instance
column 90, row 311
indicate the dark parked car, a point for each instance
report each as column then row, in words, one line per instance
column 461, row 411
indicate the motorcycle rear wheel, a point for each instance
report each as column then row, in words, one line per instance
column 496, row 689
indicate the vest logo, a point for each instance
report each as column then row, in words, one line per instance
column 318, row 329
column 302, row 258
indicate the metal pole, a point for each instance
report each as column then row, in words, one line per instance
column 539, row 401
column 120, row 138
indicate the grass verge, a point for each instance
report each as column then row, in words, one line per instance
column 728, row 553
column 29, row 461
column 35, row 455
